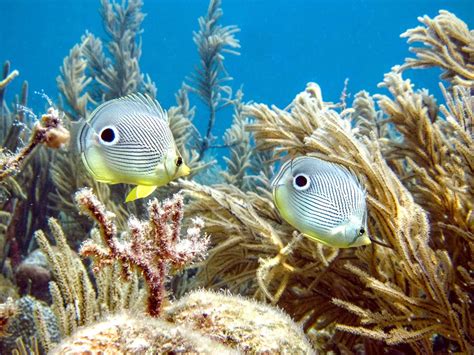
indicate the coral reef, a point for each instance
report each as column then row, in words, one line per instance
column 242, row 324
column 125, row 334
column 409, row 291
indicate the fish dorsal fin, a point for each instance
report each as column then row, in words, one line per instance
column 133, row 103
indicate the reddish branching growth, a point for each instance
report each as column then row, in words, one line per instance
column 153, row 246
column 7, row 311
column 49, row 131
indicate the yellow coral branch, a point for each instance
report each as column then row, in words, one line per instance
column 8, row 79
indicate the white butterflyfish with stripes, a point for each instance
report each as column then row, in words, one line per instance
column 323, row 200
column 128, row 140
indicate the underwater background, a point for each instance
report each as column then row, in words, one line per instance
column 285, row 44
column 213, row 260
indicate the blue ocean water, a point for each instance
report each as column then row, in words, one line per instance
column 285, row 43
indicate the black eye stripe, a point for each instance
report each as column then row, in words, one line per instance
column 179, row 161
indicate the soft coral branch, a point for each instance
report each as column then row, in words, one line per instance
column 153, row 246
column 49, row 131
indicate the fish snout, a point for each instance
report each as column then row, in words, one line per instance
column 185, row 170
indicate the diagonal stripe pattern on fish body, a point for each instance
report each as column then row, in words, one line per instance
column 128, row 140
column 323, row 200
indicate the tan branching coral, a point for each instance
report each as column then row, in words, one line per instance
column 74, row 297
column 213, row 41
column 241, row 150
column 447, row 43
column 87, row 67
column 123, row 25
column 73, row 81
column 439, row 156
column 239, row 222
column 185, row 133
column 153, row 246
column 367, row 119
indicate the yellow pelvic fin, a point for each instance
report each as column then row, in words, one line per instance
column 140, row 191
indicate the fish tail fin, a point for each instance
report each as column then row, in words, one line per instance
column 140, row 191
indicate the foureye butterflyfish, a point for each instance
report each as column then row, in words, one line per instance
column 323, row 200
column 128, row 140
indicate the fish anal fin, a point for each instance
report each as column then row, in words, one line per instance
column 140, row 191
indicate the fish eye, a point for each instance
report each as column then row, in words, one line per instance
column 179, row 161
column 361, row 231
column 301, row 182
column 109, row 135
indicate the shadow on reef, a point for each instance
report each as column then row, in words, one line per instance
column 414, row 156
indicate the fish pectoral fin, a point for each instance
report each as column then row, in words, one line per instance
column 140, row 191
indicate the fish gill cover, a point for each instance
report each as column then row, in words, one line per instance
column 219, row 229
